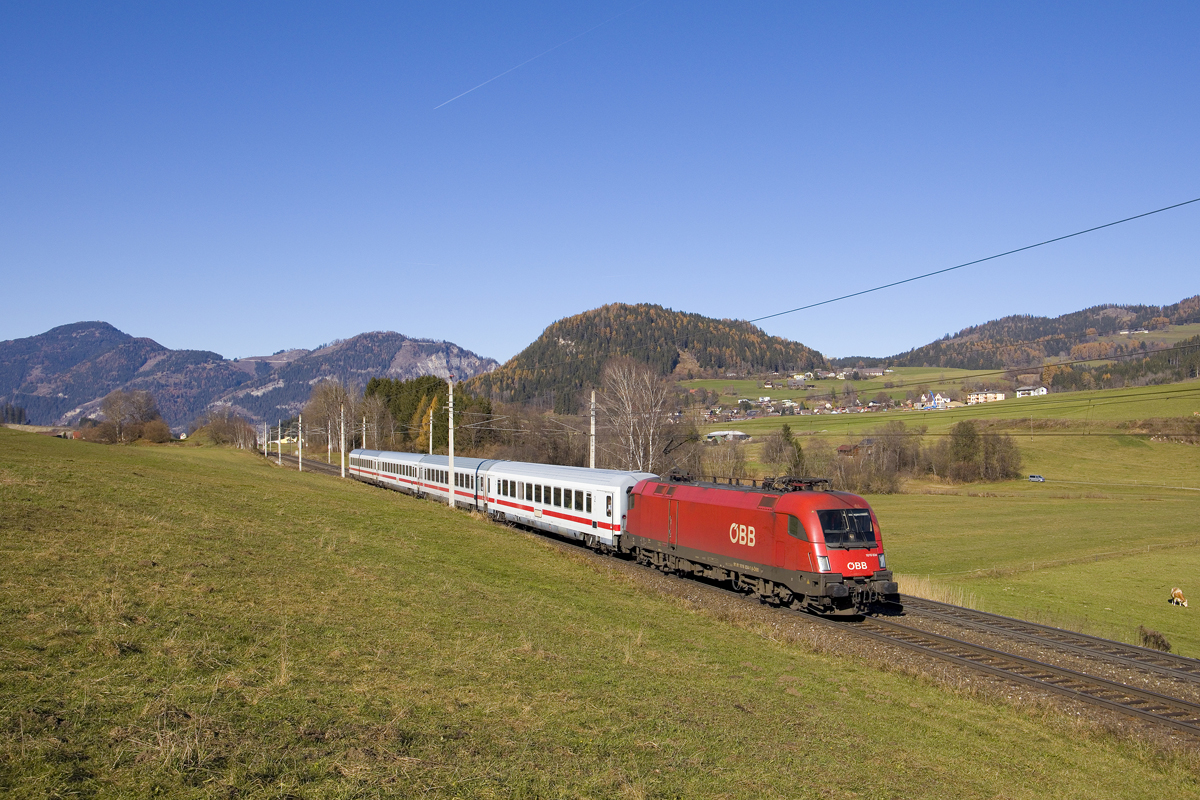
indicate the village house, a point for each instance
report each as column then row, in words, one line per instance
column 975, row 398
column 1030, row 391
column 726, row 436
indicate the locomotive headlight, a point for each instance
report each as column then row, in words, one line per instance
column 882, row 561
column 823, row 563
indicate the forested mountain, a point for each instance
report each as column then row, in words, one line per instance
column 354, row 361
column 570, row 354
column 61, row 375
column 1025, row 341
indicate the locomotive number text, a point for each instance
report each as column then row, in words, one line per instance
column 741, row 534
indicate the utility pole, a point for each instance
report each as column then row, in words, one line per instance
column 592, row 437
column 300, row 442
column 279, row 443
column 364, row 431
column 342, row 451
column 450, row 381
column 266, row 440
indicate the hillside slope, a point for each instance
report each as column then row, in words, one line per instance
column 63, row 374
column 570, row 355
column 1024, row 340
column 354, row 361
column 192, row 622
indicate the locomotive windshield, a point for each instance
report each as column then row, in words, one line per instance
column 847, row 527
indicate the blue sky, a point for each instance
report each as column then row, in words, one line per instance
column 250, row 177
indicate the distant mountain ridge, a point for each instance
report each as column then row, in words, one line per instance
column 1025, row 341
column 570, row 354
column 63, row 374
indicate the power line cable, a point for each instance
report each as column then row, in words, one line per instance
column 976, row 261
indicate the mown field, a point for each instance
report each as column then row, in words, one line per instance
column 1098, row 546
column 194, row 622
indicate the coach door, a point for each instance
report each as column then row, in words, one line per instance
column 673, row 523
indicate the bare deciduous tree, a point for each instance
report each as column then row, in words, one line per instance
column 323, row 415
column 725, row 460
column 225, row 426
column 125, row 415
column 380, row 428
column 634, row 404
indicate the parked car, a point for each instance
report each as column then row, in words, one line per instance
column 1036, row 479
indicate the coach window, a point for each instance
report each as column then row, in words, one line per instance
column 546, row 495
column 578, row 500
column 537, row 493
column 557, row 496
column 608, row 505
column 589, row 502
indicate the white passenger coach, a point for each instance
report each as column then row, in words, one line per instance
column 588, row 504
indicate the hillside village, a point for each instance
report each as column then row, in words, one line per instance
column 848, row 401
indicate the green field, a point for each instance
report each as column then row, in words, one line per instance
column 194, row 622
column 1173, row 334
column 902, row 379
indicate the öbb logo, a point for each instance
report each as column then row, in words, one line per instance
column 741, row 534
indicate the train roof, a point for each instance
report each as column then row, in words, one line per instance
column 548, row 471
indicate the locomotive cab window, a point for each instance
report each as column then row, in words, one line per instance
column 847, row 527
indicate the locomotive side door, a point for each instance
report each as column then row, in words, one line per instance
column 673, row 523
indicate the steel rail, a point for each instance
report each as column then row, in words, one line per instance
column 1175, row 713
column 1144, row 658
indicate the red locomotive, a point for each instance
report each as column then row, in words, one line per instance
column 787, row 541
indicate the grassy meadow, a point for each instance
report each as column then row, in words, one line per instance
column 1098, row 546
column 195, row 622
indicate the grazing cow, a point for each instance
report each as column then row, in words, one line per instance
column 1177, row 597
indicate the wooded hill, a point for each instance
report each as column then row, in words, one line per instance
column 569, row 356
column 1025, row 341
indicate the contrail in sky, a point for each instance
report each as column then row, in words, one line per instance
column 539, row 55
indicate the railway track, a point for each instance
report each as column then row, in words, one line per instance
column 1162, row 709
column 1153, row 662
column 310, row 465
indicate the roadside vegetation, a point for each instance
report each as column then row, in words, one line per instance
column 194, row 622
